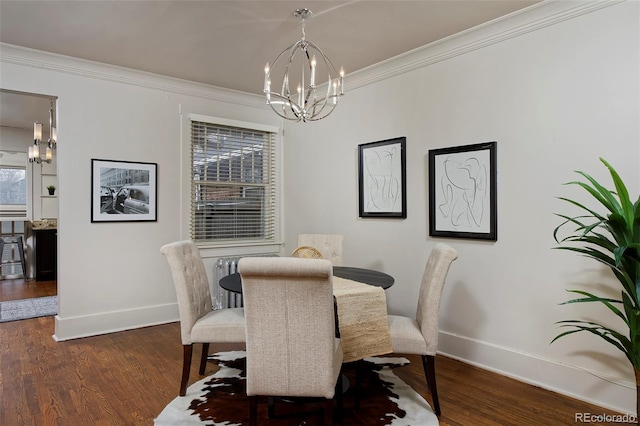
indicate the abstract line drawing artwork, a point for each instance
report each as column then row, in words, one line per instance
column 382, row 178
column 462, row 192
column 463, row 186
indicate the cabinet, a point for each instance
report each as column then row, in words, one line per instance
column 46, row 257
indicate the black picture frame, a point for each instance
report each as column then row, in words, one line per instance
column 462, row 192
column 382, row 179
column 124, row 191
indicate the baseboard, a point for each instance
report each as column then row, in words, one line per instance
column 67, row 328
column 593, row 387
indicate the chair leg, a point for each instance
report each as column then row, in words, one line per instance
column 21, row 253
column 429, row 365
column 253, row 410
column 271, row 407
column 203, row 359
column 358, row 388
column 328, row 412
column 186, row 366
column 339, row 398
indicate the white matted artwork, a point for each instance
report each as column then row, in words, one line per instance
column 123, row 191
column 462, row 192
column 382, row 179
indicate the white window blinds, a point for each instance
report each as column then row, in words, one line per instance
column 233, row 184
column 13, row 193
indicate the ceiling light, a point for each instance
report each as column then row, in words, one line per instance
column 305, row 60
column 34, row 150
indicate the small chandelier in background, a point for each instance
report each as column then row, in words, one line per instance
column 34, row 150
column 307, row 102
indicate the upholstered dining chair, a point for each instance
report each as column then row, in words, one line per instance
column 329, row 245
column 198, row 322
column 419, row 335
column 292, row 350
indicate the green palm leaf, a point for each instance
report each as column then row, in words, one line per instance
column 623, row 194
column 611, row 336
column 612, row 239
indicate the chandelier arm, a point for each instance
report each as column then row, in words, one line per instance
column 331, row 72
column 331, row 67
column 285, row 89
column 292, row 50
column 298, row 108
column 315, row 46
column 286, row 105
column 319, row 107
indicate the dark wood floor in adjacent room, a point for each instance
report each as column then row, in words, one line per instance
column 15, row 289
column 127, row 378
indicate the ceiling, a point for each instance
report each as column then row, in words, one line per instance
column 20, row 111
column 227, row 43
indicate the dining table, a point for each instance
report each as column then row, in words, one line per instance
column 233, row 282
column 361, row 309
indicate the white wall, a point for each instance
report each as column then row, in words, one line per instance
column 111, row 276
column 556, row 87
column 15, row 139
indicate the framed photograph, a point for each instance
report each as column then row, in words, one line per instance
column 123, row 191
column 462, row 192
column 382, row 179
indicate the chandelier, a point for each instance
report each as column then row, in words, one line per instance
column 307, row 102
column 34, row 150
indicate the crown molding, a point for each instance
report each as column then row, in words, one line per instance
column 533, row 18
column 23, row 56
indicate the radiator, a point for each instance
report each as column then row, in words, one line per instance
column 225, row 266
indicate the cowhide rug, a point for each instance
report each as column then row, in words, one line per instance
column 220, row 399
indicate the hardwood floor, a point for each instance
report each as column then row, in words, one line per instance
column 15, row 289
column 127, row 378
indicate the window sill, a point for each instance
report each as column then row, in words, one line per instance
column 208, row 250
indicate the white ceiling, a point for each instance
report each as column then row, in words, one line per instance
column 20, row 111
column 227, row 43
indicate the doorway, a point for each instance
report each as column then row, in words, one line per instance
column 25, row 201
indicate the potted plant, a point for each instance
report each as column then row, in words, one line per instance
column 612, row 238
column 51, row 189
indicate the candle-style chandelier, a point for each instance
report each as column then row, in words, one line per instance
column 307, row 102
column 34, row 150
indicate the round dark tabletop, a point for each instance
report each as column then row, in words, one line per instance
column 233, row 283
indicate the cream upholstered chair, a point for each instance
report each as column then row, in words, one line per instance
column 292, row 350
column 198, row 322
column 329, row 245
column 420, row 335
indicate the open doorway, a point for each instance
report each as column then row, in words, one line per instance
column 26, row 205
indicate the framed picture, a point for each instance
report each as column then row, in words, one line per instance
column 123, row 191
column 462, row 192
column 382, row 179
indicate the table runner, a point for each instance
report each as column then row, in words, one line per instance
column 362, row 318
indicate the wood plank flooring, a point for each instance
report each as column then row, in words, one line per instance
column 127, row 378
column 15, row 289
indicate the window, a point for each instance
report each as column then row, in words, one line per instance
column 138, row 195
column 13, row 192
column 233, row 184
